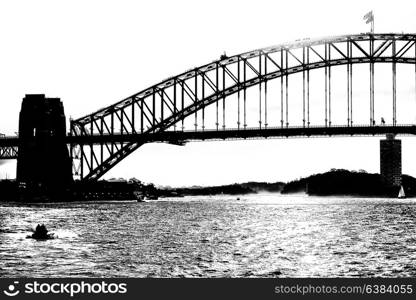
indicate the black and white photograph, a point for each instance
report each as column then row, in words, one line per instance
column 207, row 139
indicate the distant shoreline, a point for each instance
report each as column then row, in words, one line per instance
column 336, row 182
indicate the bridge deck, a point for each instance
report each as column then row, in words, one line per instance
column 248, row 133
column 183, row 136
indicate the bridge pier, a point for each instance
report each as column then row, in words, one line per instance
column 391, row 161
column 43, row 164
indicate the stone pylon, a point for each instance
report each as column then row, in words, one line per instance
column 391, row 161
column 43, row 159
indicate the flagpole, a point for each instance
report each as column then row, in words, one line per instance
column 369, row 18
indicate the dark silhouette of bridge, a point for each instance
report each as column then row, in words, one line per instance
column 216, row 100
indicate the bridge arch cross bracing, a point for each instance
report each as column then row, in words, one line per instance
column 102, row 139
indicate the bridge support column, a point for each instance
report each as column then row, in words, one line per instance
column 391, row 161
column 43, row 164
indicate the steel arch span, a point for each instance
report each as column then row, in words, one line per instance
column 164, row 108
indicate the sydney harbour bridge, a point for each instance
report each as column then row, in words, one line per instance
column 249, row 95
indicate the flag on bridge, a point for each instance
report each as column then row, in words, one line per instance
column 369, row 18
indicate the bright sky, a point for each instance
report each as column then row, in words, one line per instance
column 94, row 53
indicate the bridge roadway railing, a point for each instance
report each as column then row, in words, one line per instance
column 247, row 133
column 9, row 145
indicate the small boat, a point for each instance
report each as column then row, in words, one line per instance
column 49, row 236
column 41, row 233
column 401, row 193
column 151, row 197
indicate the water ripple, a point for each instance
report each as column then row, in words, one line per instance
column 260, row 236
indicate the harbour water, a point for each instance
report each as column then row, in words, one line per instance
column 264, row 235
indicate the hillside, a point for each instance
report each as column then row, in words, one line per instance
column 350, row 183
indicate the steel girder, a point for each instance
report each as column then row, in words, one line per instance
column 8, row 147
column 8, row 152
column 182, row 137
column 166, row 105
